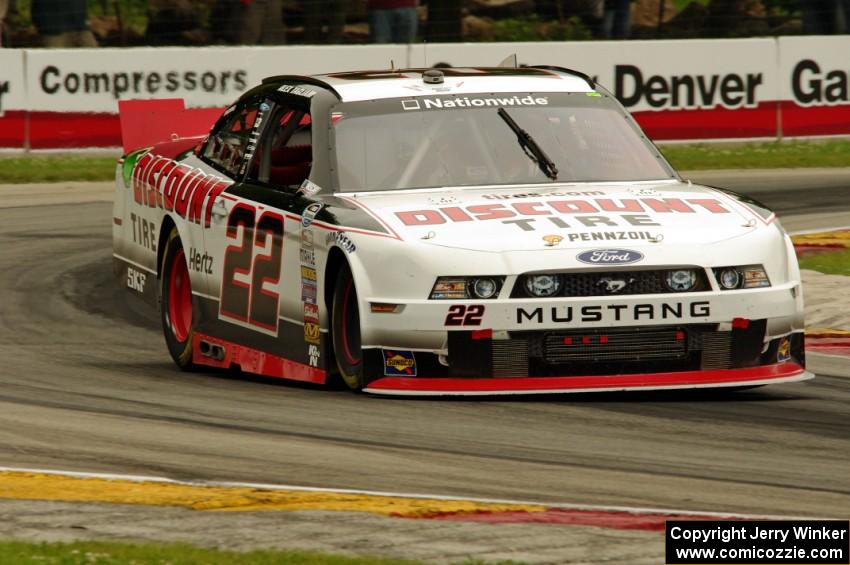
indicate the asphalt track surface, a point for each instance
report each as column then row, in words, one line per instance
column 86, row 384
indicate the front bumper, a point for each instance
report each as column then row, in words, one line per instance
column 424, row 324
column 753, row 376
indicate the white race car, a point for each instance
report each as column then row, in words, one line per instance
column 454, row 231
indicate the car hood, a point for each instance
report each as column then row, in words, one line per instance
column 557, row 216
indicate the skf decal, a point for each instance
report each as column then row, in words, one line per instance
column 341, row 239
column 310, row 213
column 613, row 312
column 136, row 280
column 311, row 333
column 159, row 182
column 399, row 363
column 200, row 263
column 783, row 352
column 144, row 232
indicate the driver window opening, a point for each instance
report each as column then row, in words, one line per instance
column 226, row 148
column 285, row 155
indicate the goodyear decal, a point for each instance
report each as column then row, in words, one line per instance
column 399, row 363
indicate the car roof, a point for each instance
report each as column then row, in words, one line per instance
column 401, row 83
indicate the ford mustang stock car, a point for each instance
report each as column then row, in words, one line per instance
column 454, row 231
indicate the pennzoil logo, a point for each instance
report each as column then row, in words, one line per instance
column 552, row 240
column 399, row 363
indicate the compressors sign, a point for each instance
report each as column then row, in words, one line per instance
column 676, row 90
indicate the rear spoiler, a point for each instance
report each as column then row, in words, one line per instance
column 145, row 123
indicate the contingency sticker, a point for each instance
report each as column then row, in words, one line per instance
column 399, row 363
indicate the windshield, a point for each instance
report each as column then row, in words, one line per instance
column 463, row 140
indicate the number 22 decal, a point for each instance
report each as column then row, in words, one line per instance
column 461, row 315
column 248, row 284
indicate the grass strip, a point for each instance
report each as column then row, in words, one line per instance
column 56, row 168
column 689, row 157
column 121, row 553
column 827, row 262
column 768, row 155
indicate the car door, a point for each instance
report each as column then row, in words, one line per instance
column 259, row 281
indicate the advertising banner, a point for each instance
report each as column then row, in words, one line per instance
column 678, row 90
column 73, row 94
column 814, row 86
column 13, row 99
column 694, row 89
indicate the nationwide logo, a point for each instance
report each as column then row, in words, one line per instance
column 467, row 102
column 610, row 257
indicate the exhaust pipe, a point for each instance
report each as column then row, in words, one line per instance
column 212, row 350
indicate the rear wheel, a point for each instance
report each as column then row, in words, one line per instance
column 176, row 305
column 345, row 320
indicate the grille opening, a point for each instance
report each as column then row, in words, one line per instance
column 594, row 283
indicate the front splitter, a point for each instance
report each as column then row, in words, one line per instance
column 750, row 376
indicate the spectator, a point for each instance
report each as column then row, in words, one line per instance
column 617, row 20
column 393, row 21
column 319, row 12
column 249, row 22
column 842, row 16
column 826, row 16
column 4, row 8
column 63, row 23
column 174, row 22
column 260, row 22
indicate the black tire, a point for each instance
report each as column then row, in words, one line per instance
column 345, row 330
column 176, row 290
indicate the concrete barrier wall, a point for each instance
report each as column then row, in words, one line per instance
column 678, row 90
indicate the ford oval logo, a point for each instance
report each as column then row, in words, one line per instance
column 610, row 257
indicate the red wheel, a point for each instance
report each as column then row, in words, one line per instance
column 180, row 293
column 176, row 306
column 345, row 319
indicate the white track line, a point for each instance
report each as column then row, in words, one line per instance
column 279, row 487
column 818, row 230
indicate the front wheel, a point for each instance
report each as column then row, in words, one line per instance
column 176, row 304
column 345, row 325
